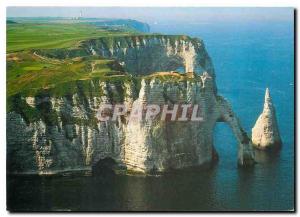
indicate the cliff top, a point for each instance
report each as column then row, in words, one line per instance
column 39, row 55
column 172, row 76
column 25, row 36
column 29, row 73
column 55, row 58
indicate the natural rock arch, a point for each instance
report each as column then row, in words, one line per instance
column 148, row 54
column 245, row 151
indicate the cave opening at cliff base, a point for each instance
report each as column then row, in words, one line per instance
column 104, row 167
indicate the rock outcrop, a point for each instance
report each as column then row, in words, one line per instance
column 144, row 54
column 139, row 54
column 265, row 133
column 117, row 23
column 49, row 133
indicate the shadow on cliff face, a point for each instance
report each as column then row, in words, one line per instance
column 104, row 168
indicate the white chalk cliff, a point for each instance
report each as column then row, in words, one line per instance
column 265, row 133
column 61, row 133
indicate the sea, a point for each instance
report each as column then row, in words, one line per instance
column 248, row 57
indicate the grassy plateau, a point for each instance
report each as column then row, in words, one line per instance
column 29, row 72
column 48, row 57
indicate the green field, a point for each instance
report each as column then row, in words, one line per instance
column 28, row 72
column 37, row 61
column 22, row 36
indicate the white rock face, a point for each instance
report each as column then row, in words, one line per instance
column 139, row 54
column 61, row 133
column 265, row 133
column 74, row 142
column 161, row 145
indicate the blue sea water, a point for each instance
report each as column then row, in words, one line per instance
column 248, row 57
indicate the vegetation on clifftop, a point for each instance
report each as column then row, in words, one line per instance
column 53, row 59
column 24, row 36
column 173, row 76
column 28, row 73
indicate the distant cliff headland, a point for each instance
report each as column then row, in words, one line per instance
column 60, row 73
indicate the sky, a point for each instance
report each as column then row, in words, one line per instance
column 159, row 14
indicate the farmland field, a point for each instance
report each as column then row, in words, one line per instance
column 28, row 72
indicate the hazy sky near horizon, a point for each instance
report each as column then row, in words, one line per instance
column 158, row 14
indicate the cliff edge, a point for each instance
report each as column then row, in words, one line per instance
column 53, row 127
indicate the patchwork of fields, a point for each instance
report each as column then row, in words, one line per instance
column 28, row 72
